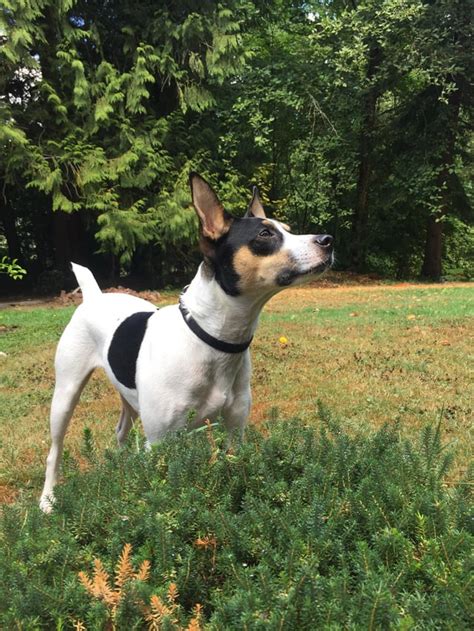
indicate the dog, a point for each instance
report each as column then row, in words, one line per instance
column 190, row 358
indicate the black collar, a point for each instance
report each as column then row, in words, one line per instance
column 219, row 345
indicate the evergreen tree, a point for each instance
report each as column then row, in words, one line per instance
column 352, row 116
column 93, row 96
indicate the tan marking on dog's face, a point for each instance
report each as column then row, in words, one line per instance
column 257, row 272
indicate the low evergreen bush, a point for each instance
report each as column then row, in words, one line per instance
column 297, row 529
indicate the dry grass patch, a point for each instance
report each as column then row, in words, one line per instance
column 25, row 438
column 372, row 354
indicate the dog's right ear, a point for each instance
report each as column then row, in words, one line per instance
column 215, row 222
column 255, row 208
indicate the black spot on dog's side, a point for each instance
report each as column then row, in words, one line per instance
column 125, row 346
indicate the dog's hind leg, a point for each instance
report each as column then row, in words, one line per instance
column 127, row 416
column 75, row 362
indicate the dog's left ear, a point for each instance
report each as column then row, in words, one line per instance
column 215, row 222
column 255, row 208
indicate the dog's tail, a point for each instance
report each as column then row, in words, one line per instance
column 88, row 284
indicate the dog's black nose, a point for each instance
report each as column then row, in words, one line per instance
column 324, row 240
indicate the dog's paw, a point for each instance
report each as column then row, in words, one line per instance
column 46, row 503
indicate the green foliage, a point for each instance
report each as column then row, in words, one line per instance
column 353, row 117
column 300, row 529
column 11, row 268
column 86, row 118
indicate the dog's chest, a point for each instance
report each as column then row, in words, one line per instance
column 213, row 386
column 170, row 371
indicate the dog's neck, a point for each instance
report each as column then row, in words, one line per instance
column 228, row 318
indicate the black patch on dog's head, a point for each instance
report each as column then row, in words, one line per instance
column 223, row 237
column 286, row 277
column 259, row 236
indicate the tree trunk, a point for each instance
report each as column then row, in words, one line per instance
column 433, row 256
column 431, row 269
column 449, row 123
column 358, row 245
column 68, row 237
column 114, row 269
column 61, row 240
column 9, row 226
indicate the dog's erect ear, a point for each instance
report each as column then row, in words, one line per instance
column 255, row 208
column 214, row 220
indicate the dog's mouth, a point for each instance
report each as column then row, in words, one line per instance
column 288, row 276
column 320, row 267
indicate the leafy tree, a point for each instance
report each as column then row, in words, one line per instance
column 91, row 92
column 353, row 116
column 446, row 39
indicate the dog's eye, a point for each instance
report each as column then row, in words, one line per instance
column 265, row 233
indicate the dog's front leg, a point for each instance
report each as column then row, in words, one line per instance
column 235, row 418
column 236, row 411
column 159, row 417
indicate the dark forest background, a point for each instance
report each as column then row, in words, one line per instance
column 353, row 117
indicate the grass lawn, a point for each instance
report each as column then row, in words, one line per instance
column 372, row 354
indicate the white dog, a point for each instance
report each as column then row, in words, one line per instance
column 189, row 357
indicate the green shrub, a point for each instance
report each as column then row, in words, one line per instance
column 295, row 530
column 11, row 268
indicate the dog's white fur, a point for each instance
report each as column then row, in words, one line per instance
column 176, row 372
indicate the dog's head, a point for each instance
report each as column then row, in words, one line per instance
column 252, row 254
